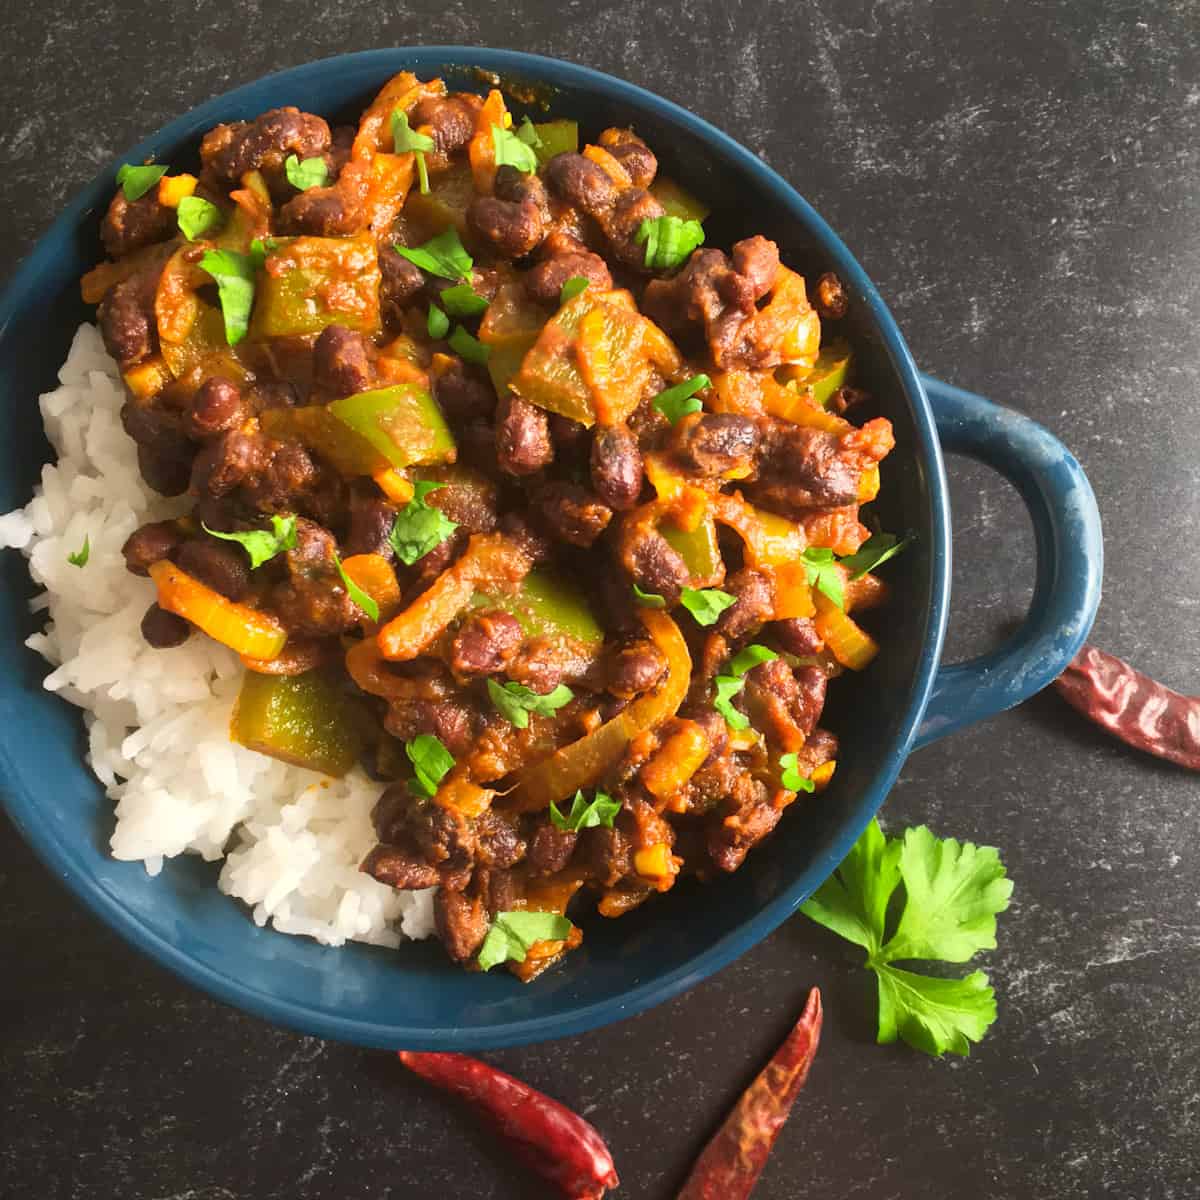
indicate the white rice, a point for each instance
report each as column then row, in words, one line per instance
column 158, row 720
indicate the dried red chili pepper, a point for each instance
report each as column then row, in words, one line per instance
column 729, row 1166
column 1133, row 707
column 547, row 1136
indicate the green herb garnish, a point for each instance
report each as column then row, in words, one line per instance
column 431, row 762
column 586, row 814
column 437, row 322
column 443, row 255
column 791, row 777
column 196, row 217
column 669, row 240
column 261, row 545
column 356, row 594
column 648, row 599
column 309, row 173
column 952, row 893
column 462, row 300
column 514, row 701
column 823, row 572
column 528, row 134
column 676, row 402
column 875, row 551
column 406, row 140
column 574, row 286
column 706, row 605
column 512, row 151
column 420, row 527
column 234, row 274
column 79, row 557
column 469, row 349
column 729, row 685
column 513, row 934
column 135, row 182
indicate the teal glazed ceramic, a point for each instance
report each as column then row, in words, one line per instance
column 415, row 997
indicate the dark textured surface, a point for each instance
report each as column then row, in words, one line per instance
column 1020, row 179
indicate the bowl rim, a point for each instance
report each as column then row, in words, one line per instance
column 235, row 991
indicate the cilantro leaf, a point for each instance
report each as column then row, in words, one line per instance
column 462, row 300
column 79, row 557
column 469, row 349
column 443, row 255
column 136, row 181
column 955, row 889
column 196, row 217
column 648, row 599
column 823, row 572
column 234, row 275
column 676, row 402
column 309, row 173
column 952, row 892
column 669, row 240
column 749, row 658
column 875, row 551
column 512, row 935
column 437, row 323
column 853, row 900
column 406, row 140
column 261, row 545
column 584, row 815
column 431, row 763
column 706, row 605
column 513, row 151
column 572, row 288
column 357, row 595
column 934, row 1015
column 728, row 686
column 420, row 527
column 791, row 777
column 514, row 701
column 528, row 134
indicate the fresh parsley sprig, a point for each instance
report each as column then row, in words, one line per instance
column 514, row 701
column 306, row 173
column 676, row 402
column 586, row 814
column 952, row 892
column 261, row 545
column 79, row 558
column 406, row 140
column 512, row 935
column 728, row 685
column 135, row 181
column 364, row 600
column 196, row 216
column 420, row 527
column 431, row 763
column 234, row 274
column 443, row 255
column 513, row 151
column 874, row 552
column 668, row 241
column 706, row 604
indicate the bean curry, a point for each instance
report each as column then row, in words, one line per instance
column 502, row 485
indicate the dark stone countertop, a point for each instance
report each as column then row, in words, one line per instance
column 1021, row 180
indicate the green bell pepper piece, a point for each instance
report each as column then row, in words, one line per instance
column 402, row 422
column 558, row 137
column 547, row 605
column 677, row 201
column 301, row 719
column 829, row 372
column 698, row 549
column 308, row 283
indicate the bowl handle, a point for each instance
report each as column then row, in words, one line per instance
column 1070, row 560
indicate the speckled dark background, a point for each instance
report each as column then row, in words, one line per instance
column 1021, row 180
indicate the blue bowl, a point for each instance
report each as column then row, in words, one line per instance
column 414, row 997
